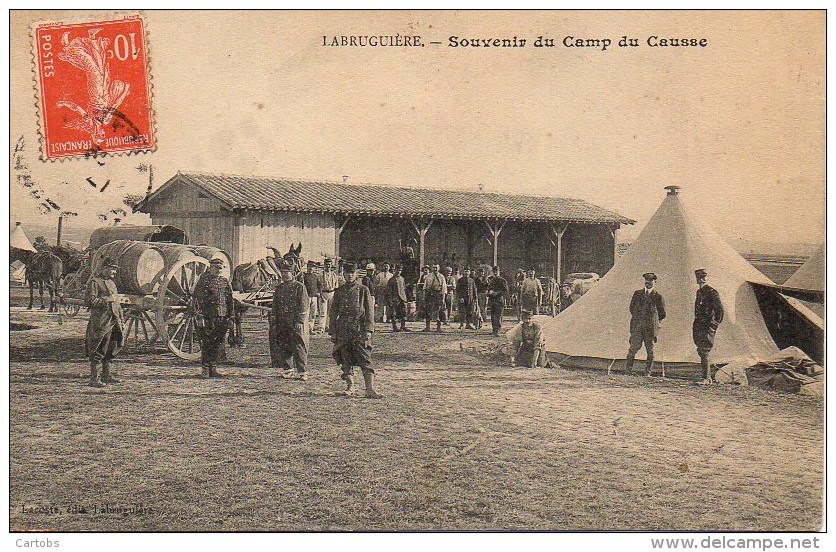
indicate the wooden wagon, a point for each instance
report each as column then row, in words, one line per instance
column 156, row 278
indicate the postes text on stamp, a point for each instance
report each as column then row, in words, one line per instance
column 93, row 88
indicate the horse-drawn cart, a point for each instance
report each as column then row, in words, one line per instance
column 155, row 281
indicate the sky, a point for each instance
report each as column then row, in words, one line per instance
column 739, row 124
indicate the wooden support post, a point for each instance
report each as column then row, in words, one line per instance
column 614, row 233
column 495, row 229
column 338, row 232
column 421, row 227
column 558, row 232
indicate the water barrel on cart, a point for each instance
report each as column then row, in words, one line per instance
column 141, row 265
column 208, row 252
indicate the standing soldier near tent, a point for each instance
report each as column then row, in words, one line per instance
column 435, row 287
column 531, row 293
column 708, row 314
column 647, row 309
column 213, row 298
column 352, row 324
column 290, row 313
column 497, row 291
column 105, row 334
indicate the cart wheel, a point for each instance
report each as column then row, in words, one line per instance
column 140, row 329
column 176, row 311
column 74, row 288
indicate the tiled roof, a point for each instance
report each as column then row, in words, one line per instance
column 269, row 194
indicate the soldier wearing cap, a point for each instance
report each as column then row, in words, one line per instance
column 466, row 294
column 290, row 322
column 435, row 287
column 481, row 280
column 351, row 327
column 528, row 346
column 379, row 293
column 213, row 298
column 647, row 309
column 395, row 296
column 497, row 294
column 708, row 314
column 313, row 285
column 450, row 294
column 369, row 281
column 328, row 283
column 531, row 292
column 105, row 329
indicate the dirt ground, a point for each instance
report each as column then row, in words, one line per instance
column 460, row 442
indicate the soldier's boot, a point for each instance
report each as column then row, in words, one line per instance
column 628, row 367
column 438, row 326
column 94, row 375
column 349, row 385
column 395, row 325
column 204, row 372
column 648, row 367
column 213, row 372
column 427, row 327
column 106, row 375
column 403, row 325
column 368, row 377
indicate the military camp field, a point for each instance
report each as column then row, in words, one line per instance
column 460, row 442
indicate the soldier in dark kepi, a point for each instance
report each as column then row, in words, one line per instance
column 290, row 319
column 105, row 330
column 351, row 327
column 708, row 314
column 647, row 309
column 213, row 298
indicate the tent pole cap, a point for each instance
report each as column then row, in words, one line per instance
column 673, row 190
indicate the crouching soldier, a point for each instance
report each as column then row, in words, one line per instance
column 105, row 329
column 213, row 297
column 528, row 346
column 351, row 327
column 290, row 322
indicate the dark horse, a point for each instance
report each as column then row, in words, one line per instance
column 43, row 269
column 259, row 276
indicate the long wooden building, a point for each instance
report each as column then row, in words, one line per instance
column 244, row 215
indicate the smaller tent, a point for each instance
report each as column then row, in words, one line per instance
column 811, row 274
column 19, row 240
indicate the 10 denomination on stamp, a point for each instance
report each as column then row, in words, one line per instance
column 93, row 89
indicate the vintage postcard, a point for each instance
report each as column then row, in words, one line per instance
column 304, row 271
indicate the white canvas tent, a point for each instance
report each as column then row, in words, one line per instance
column 19, row 240
column 811, row 274
column 673, row 244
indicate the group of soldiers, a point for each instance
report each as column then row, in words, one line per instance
column 346, row 306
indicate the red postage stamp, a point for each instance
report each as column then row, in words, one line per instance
column 93, row 89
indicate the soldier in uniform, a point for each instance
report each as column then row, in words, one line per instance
column 481, row 296
column 466, row 293
column 435, row 287
column 352, row 324
column 213, row 297
column 647, row 309
column 528, row 347
column 531, row 293
column 497, row 292
column 329, row 282
column 450, row 294
column 290, row 321
column 105, row 329
column 395, row 296
column 708, row 314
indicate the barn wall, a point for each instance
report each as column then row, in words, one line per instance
column 315, row 231
column 588, row 248
column 203, row 218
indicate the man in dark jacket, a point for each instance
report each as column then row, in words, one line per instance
column 313, row 286
column 647, row 309
column 395, row 297
column 708, row 314
column 351, row 327
column 497, row 292
column 105, row 330
column 290, row 321
column 213, row 297
column 466, row 294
